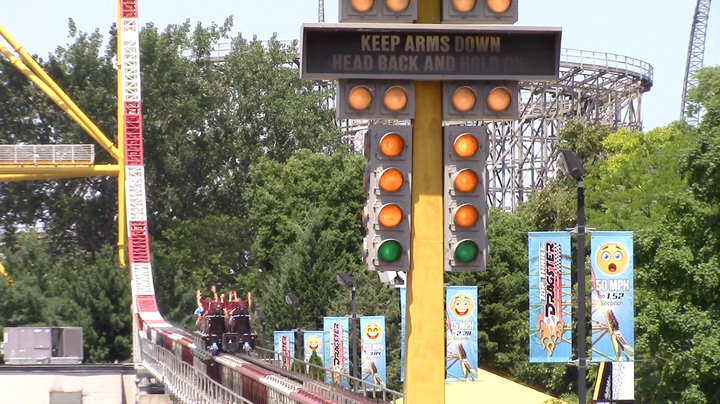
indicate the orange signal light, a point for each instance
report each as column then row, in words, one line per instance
column 499, row 99
column 391, row 180
column 466, row 216
column 360, row 98
column 466, row 180
column 463, row 6
column 392, row 145
column 390, row 215
column 463, row 99
column 395, row 99
column 499, row 6
column 362, row 5
column 397, row 6
column 466, row 145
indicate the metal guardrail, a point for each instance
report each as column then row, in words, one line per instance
column 57, row 154
column 188, row 384
column 617, row 63
column 316, row 376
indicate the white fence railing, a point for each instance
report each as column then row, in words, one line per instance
column 316, row 377
column 592, row 60
column 58, row 154
column 188, row 384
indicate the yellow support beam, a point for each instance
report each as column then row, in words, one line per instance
column 425, row 334
column 15, row 61
column 52, row 171
column 54, row 91
column 5, row 275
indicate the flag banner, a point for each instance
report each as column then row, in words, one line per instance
column 337, row 353
column 285, row 346
column 550, row 295
column 462, row 333
column 403, row 302
column 616, row 383
column 373, row 356
column 612, row 295
column 313, row 343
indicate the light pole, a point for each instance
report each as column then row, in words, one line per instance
column 292, row 300
column 570, row 165
column 347, row 281
column 261, row 317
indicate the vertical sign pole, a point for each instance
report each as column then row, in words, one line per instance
column 425, row 335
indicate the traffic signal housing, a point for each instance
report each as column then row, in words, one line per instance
column 480, row 11
column 465, row 211
column 375, row 99
column 378, row 10
column 480, row 100
column 387, row 211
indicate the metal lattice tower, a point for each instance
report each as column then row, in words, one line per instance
column 696, row 51
column 321, row 10
column 595, row 88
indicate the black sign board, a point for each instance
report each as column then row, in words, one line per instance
column 429, row 52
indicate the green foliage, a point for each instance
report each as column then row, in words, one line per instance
column 80, row 289
column 316, row 373
column 299, row 367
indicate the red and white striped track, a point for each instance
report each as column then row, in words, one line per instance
column 251, row 382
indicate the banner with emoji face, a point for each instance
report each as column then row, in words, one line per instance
column 612, row 295
column 285, row 346
column 549, row 260
column 337, row 351
column 373, row 357
column 313, row 343
column 462, row 333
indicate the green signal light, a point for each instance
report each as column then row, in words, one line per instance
column 466, row 251
column 390, row 251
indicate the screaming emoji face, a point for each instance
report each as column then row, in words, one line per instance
column 461, row 305
column 372, row 332
column 612, row 258
column 313, row 343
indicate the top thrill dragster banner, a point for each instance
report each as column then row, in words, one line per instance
column 462, row 333
column 550, row 296
column 337, row 352
column 403, row 302
column 285, row 345
column 372, row 333
column 612, row 296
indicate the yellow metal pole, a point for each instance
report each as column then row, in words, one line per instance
column 92, row 129
column 15, row 61
column 5, row 275
column 121, row 145
column 425, row 336
column 48, row 176
column 110, row 170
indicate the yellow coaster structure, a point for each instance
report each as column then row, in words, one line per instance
column 44, row 162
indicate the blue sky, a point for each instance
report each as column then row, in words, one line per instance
column 655, row 31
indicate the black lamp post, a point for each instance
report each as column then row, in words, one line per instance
column 292, row 300
column 570, row 165
column 261, row 317
column 347, row 281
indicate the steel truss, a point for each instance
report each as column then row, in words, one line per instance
column 595, row 88
column 696, row 51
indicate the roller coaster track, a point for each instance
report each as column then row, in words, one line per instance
column 696, row 51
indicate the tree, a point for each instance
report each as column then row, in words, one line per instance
column 80, row 289
column 317, row 373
